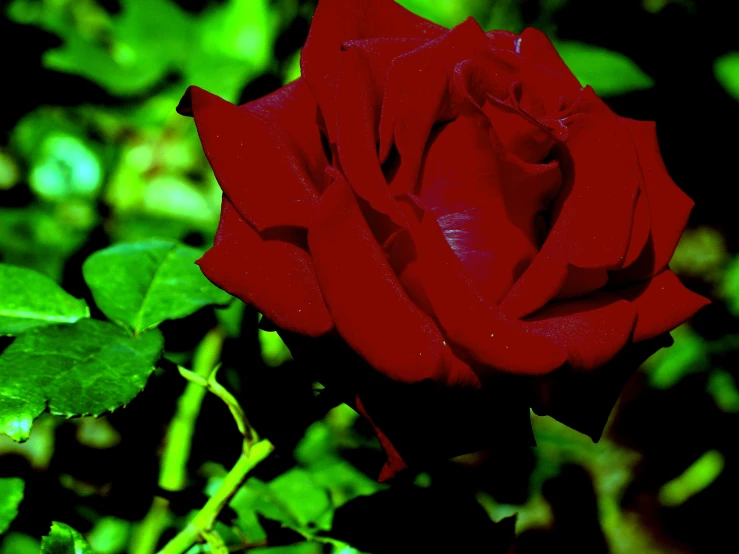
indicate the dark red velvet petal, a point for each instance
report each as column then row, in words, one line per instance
column 584, row 400
column 662, row 303
column 265, row 154
column 534, row 45
column 418, row 95
column 479, row 204
column 468, row 321
column 594, row 213
column 592, row 329
column 277, row 277
column 669, row 207
column 364, row 65
column 394, row 463
column 640, row 230
column 338, row 21
column 371, row 310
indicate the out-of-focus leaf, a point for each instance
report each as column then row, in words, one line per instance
column 63, row 162
column 274, row 351
column 42, row 237
column 231, row 316
column 64, row 540
column 132, row 51
column 299, row 548
column 11, row 494
column 701, row 252
column 86, row 368
column 726, row 70
column 729, row 286
column 141, row 284
column 697, row 477
column 448, row 12
column 18, row 543
column 608, row 72
column 110, row 535
column 687, row 355
column 30, row 299
column 8, row 171
column 722, row 387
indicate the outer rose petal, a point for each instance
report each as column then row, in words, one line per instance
column 593, row 329
column 424, row 423
column 662, row 303
column 338, row 21
column 276, row 277
column 669, row 207
column 371, row 310
column 265, row 154
column 534, row 45
column 584, row 400
column 593, row 227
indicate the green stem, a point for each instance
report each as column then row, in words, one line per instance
column 203, row 522
column 177, row 445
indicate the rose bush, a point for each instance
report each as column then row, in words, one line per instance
column 483, row 233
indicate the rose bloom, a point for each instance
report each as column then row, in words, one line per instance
column 462, row 231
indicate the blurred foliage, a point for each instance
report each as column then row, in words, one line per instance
column 116, row 165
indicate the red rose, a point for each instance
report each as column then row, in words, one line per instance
column 486, row 234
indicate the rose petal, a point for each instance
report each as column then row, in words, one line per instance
column 266, row 155
column 486, row 207
column 422, row 424
column 277, row 277
column 534, row 45
column 584, row 400
column 417, row 95
column 669, row 207
column 364, row 65
column 469, row 322
column 595, row 211
column 371, row 310
column 592, row 330
column 662, row 303
column 338, row 21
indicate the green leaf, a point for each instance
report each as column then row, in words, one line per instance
column 64, row 540
column 726, row 70
column 608, row 72
column 11, row 494
column 30, row 299
column 701, row 473
column 688, row 355
column 18, row 543
column 86, row 368
column 141, row 284
column 298, row 548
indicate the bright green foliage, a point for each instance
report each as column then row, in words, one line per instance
column 702, row 253
column 274, row 351
column 697, row 477
column 42, row 236
column 299, row 548
column 607, row 72
column 30, row 299
column 729, row 286
column 722, row 387
column 130, row 52
column 11, row 494
column 18, row 543
column 141, row 284
column 87, row 368
column 64, row 540
column 448, row 12
column 689, row 354
column 110, row 535
column 726, row 69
